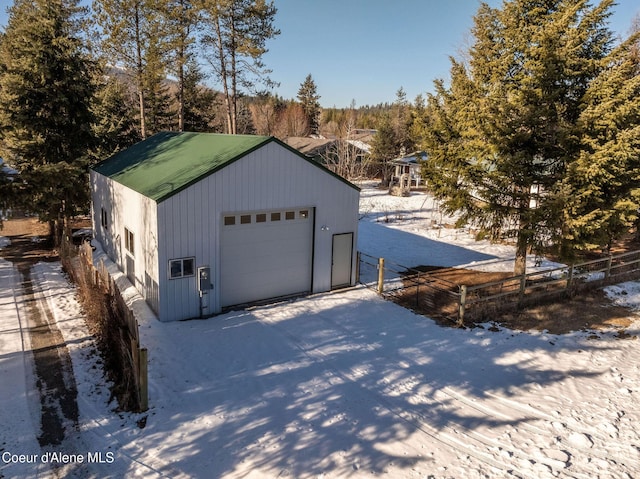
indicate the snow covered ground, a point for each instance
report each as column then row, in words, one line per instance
column 345, row 384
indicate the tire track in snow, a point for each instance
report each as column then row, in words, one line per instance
column 93, row 424
column 553, row 457
column 418, row 422
column 573, row 438
column 55, row 381
column 537, row 458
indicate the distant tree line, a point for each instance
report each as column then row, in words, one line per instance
column 535, row 135
column 78, row 84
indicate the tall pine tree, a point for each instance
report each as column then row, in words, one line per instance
column 115, row 123
column 236, row 35
column 309, row 99
column 401, row 121
column 604, row 182
column 160, row 114
column 129, row 29
column 45, row 117
column 181, row 18
column 384, row 148
column 507, row 126
column 199, row 102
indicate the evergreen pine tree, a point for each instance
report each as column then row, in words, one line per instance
column 181, row 18
column 604, row 182
column 384, row 148
column 199, row 109
column 160, row 114
column 45, row 97
column 236, row 34
column 115, row 126
column 309, row 99
column 402, row 121
column 507, row 125
column 129, row 30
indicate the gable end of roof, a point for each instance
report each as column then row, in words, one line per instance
column 151, row 168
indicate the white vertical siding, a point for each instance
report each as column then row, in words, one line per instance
column 271, row 177
column 128, row 209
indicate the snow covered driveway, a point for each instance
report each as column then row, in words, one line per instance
column 345, row 384
column 348, row 385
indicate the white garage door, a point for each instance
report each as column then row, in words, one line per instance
column 265, row 254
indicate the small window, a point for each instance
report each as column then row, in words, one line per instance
column 187, row 267
column 128, row 241
column 245, row 219
column 103, row 218
column 229, row 220
column 275, row 216
column 290, row 215
column 261, row 218
column 181, row 268
column 304, row 214
column 175, row 268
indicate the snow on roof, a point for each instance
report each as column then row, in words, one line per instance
column 361, row 145
column 412, row 158
column 6, row 169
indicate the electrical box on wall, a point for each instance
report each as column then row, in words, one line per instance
column 204, row 279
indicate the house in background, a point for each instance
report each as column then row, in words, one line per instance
column 202, row 222
column 348, row 157
column 406, row 173
column 316, row 148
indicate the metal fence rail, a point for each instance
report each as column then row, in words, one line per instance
column 416, row 289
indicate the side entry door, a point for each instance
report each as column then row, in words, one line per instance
column 341, row 260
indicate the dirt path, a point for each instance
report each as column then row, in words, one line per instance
column 52, row 366
column 53, row 369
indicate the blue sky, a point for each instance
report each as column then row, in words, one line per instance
column 365, row 50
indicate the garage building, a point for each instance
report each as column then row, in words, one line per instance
column 200, row 222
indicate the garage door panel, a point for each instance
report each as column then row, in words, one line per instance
column 264, row 260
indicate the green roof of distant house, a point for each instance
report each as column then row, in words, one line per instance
column 168, row 162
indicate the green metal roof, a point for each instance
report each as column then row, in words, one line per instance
column 168, row 162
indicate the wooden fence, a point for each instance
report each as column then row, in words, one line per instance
column 428, row 293
column 122, row 326
column 481, row 301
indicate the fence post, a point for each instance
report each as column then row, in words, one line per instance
column 463, row 304
column 143, row 380
column 380, row 275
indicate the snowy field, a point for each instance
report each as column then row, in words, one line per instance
column 343, row 384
